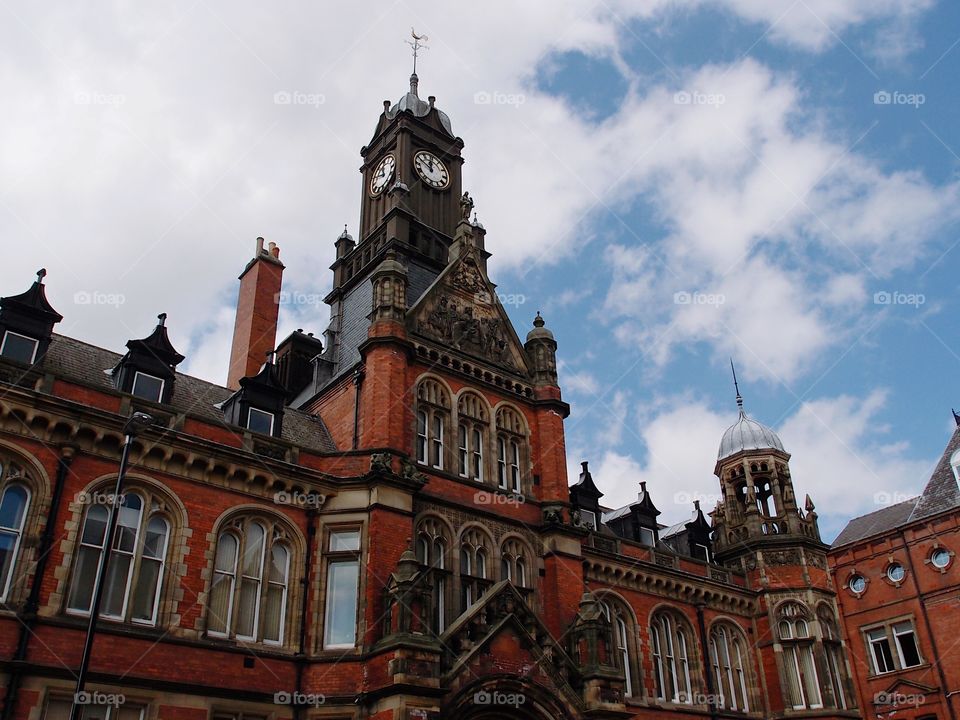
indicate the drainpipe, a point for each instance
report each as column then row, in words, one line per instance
column 305, row 592
column 707, row 669
column 28, row 617
column 357, row 382
column 926, row 622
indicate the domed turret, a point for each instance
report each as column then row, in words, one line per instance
column 747, row 434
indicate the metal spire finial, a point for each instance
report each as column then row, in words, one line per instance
column 736, row 386
column 417, row 46
column 162, row 317
column 41, row 274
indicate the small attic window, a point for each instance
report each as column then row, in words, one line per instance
column 260, row 421
column 588, row 518
column 647, row 537
column 148, row 387
column 955, row 465
column 19, row 347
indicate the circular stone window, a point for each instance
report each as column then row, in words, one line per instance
column 940, row 558
column 857, row 584
column 896, row 573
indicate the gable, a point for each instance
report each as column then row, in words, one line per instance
column 462, row 311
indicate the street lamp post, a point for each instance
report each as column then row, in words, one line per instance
column 138, row 422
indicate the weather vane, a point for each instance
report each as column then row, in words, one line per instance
column 417, row 45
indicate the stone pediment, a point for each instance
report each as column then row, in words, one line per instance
column 501, row 625
column 461, row 310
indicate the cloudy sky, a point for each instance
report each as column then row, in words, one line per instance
column 672, row 182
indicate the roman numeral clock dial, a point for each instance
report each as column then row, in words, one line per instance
column 431, row 170
column 382, row 175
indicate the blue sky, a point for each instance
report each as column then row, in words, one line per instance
column 699, row 181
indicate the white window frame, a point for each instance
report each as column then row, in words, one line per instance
column 896, row 641
column 272, row 416
column 36, row 345
column 647, row 537
column 18, row 533
column 341, row 557
column 133, row 388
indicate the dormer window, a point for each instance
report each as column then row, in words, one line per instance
column 258, row 404
column 26, row 324
column 148, row 387
column 588, row 518
column 149, row 369
column 19, row 347
column 260, row 421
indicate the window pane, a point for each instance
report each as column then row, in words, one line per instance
column 94, row 526
column 811, row 686
column 145, row 592
column 147, row 387
column 792, row 670
column 115, row 584
column 274, row 613
column 278, row 564
column 17, row 347
column 247, row 608
column 344, row 540
column 155, row 539
column 84, row 574
column 128, row 522
column 260, row 422
column 341, row 612
column 226, row 553
column 253, row 552
column 13, row 507
column 907, row 642
column 8, row 545
column 221, row 595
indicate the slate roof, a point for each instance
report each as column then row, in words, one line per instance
column 940, row 495
column 85, row 364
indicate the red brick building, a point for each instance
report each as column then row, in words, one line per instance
column 378, row 524
column 897, row 584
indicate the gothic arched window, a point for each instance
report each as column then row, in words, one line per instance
column 800, row 670
column 728, row 655
column 472, row 423
column 14, row 504
column 671, row 641
column 251, row 578
column 515, row 563
column 432, row 546
column 624, row 633
column 433, row 416
column 474, row 567
column 511, row 449
column 134, row 577
column 835, row 665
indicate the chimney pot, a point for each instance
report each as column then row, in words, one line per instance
column 386, row 105
column 259, row 245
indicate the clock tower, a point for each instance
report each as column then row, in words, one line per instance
column 411, row 204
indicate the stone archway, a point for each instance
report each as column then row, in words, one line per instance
column 507, row 697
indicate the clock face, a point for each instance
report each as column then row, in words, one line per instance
column 431, row 169
column 382, row 174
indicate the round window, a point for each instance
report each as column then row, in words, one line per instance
column 940, row 558
column 857, row 584
column 896, row 573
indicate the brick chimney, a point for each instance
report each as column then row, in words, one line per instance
column 258, row 305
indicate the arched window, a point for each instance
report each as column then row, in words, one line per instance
column 511, row 449
column 671, row 644
column 474, row 557
column 728, row 656
column 251, row 578
column 472, row 423
column 433, row 415
column 835, row 667
column 432, row 546
column 14, row 504
column 621, row 622
column 802, row 682
column 514, row 563
column 134, row 577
